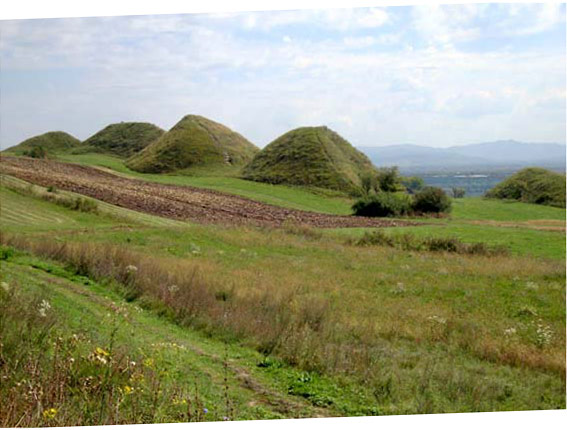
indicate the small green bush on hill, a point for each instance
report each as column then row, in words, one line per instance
column 532, row 185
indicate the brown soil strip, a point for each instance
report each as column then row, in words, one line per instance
column 173, row 201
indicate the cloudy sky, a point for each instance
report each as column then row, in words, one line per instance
column 428, row 75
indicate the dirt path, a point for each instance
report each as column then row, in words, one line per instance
column 172, row 201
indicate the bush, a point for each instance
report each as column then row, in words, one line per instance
column 388, row 180
column 36, row 152
column 431, row 200
column 458, row 193
column 383, row 205
column 412, row 183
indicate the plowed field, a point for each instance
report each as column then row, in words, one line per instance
column 171, row 201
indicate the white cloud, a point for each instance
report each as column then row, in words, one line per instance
column 159, row 68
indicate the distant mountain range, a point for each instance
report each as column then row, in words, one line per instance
column 502, row 154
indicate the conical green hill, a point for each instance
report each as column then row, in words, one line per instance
column 310, row 156
column 194, row 141
column 123, row 139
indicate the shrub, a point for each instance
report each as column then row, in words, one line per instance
column 431, row 200
column 36, row 152
column 458, row 193
column 383, row 205
column 388, row 180
column 412, row 183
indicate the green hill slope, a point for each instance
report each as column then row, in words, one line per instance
column 193, row 141
column 532, row 185
column 124, row 139
column 311, row 156
column 51, row 142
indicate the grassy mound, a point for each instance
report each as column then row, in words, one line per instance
column 532, row 185
column 123, row 139
column 49, row 143
column 193, row 141
column 311, row 156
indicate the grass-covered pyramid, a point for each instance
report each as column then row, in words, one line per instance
column 310, row 156
column 48, row 144
column 532, row 185
column 194, row 141
column 123, row 139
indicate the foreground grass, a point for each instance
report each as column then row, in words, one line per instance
column 90, row 358
column 370, row 330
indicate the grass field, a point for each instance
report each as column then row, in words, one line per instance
column 338, row 329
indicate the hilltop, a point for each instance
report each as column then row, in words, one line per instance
column 123, row 139
column 51, row 143
column 193, row 141
column 532, row 185
column 312, row 156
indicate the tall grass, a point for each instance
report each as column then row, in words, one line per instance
column 409, row 242
column 299, row 327
column 50, row 377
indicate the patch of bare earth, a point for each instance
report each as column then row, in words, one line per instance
column 173, row 201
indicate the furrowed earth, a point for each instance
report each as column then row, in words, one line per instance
column 172, row 201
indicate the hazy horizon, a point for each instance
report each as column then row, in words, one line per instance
column 435, row 76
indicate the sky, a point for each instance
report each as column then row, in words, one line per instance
column 427, row 75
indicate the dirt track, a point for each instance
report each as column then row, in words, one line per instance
column 172, row 201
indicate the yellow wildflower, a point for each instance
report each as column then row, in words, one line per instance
column 101, row 351
column 49, row 413
column 128, row 389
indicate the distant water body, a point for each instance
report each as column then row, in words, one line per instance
column 475, row 184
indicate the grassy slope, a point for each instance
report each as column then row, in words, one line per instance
column 190, row 359
column 310, row 156
column 526, row 229
column 123, row 139
column 194, row 140
column 532, row 185
column 399, row 293
column 52, row 142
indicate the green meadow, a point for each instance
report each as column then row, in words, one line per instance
column 253, row 323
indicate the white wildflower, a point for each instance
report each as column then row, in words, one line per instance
column 173, row 289
column 131, row 269
column 44, row 306
column 437, row 319
column 544, row 334
column 532, row 286
column 510, row 331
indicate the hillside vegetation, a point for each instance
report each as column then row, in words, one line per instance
column 123, row 139
column 532, row 185
column 50, row 143
column 193, row 141
column 310, row 156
